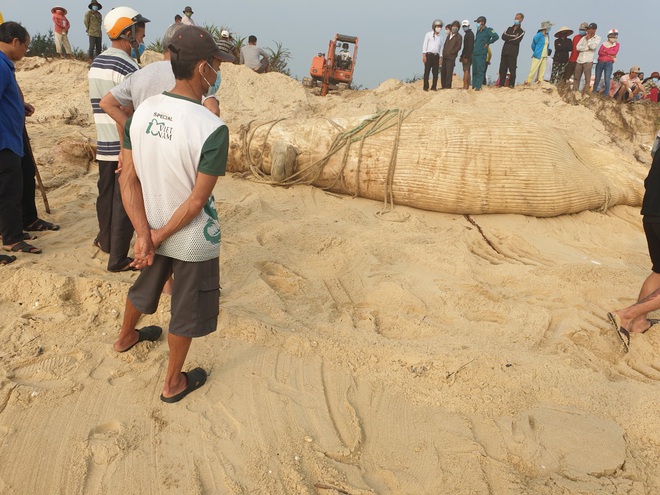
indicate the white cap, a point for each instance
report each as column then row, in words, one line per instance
column 465, row 23
column 224, row 33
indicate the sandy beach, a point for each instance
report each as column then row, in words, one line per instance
column 434, row 354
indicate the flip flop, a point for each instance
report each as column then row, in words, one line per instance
column 195, row 379
column 23, row 247
column 5, row 260
column 126, row 267
column 149, row 334
column 652, row 321
column 40, row 225
column 622, row 333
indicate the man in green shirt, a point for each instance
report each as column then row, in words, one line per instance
column 93, row 21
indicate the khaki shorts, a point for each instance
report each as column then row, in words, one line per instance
column 195, row 296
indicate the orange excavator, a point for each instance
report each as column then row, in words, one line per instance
column 335, row 70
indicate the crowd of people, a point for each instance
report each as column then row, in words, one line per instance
column 250, row 55
column 572, row 64
column 161, row 147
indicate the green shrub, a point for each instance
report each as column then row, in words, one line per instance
column 42, row 45
column 279, row 59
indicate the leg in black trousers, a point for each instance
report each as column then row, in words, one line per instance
column 11, row 189
column 94, row 47
column 106, row 187
column 513, row 65
column 121, row 232
column 431, row 66
column 504, row 68
column 28, row 203
column 115, row 228
column 447, row 72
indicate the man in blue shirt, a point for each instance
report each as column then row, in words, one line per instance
column 14, row 41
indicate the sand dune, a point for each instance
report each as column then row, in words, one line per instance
column 354, row 355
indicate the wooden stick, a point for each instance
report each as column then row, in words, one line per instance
column 36, row 173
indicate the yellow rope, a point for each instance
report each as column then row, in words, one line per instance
column 378, row 123
column 388, row 195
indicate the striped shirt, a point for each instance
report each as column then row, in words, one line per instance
column 107, row 70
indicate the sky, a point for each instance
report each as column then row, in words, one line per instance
column 390, row 32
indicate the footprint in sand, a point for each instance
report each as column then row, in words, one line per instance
column 279, row 278
column 48, row 372
column 105, row 444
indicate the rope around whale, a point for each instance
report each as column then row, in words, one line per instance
column 380, row 122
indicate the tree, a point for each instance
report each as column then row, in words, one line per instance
column 279, row 59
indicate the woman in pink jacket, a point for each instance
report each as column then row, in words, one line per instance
column 606, row 58
column 61, row 31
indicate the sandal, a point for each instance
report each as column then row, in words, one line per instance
column 40, row 225
column 126, row 267
column 5, row 260
column 23, row 247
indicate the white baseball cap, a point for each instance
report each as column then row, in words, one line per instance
column 465, row 23
column 224, row 34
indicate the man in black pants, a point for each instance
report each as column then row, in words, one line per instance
column 512, row 38
column 453, row 45
column 31, row 220
column 431, row 50
column 14, row 42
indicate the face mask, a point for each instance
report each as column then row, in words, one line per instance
column 188, row 14
column 465, row 28
column 582, row 33
column 437, row 30
column 516, row 22
column 140, row 51
column 547, row 31
column 454, row 30
column 215, row 85
column 95, row 7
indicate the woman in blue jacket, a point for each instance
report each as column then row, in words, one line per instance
column 540, row 45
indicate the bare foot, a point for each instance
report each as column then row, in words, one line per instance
column 122, row 345
column 175, row 388
column 637, row 325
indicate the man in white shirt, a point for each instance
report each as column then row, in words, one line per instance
column 344, row 57
column 174, row 151
column 187, row 16
column 629, row 86
column 431, row 51
column 587, row 47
